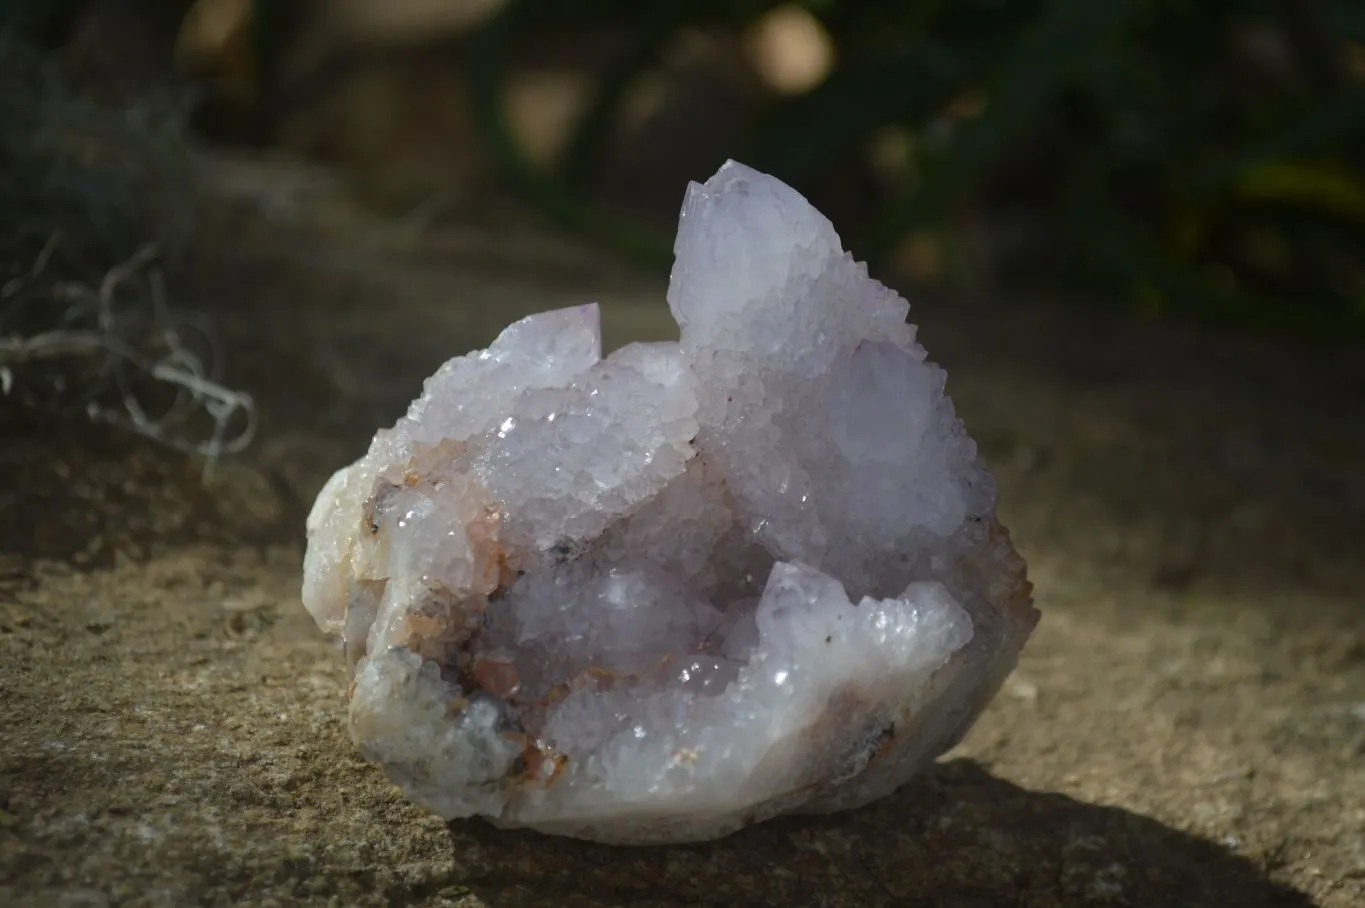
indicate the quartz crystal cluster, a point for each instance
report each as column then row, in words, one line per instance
column 661, row 595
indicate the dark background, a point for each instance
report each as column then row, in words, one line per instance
column 1202, row 159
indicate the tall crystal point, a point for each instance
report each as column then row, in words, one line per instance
column 661, row 595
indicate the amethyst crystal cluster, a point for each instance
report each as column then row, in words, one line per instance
column 661, row 595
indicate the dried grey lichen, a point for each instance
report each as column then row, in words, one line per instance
column 95, row 199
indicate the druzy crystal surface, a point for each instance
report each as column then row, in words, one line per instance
column 664, row 594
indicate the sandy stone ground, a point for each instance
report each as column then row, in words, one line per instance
column 1186, row 728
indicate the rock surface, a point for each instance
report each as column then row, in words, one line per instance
column 1185, row 727
column 660, row 596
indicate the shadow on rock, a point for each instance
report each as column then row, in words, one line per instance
column 80, row 491
column 957, row 836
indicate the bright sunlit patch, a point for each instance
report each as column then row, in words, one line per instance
column 790, row 50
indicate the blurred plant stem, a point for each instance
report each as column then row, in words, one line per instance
column 488, row 69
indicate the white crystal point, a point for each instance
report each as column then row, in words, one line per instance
column 738, row 233
column 659, row 596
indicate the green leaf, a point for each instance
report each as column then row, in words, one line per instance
column 1131, row 253
column 1060, row 45
column 944, row 50
column 1320, row 128
column 1320, row 187
column 811, row 132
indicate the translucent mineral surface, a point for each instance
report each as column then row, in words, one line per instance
column 662, row 595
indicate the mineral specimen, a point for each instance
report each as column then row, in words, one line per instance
column 659, row 596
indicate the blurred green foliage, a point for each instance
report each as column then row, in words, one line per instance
column 1201, row 157
column 1205, row 157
